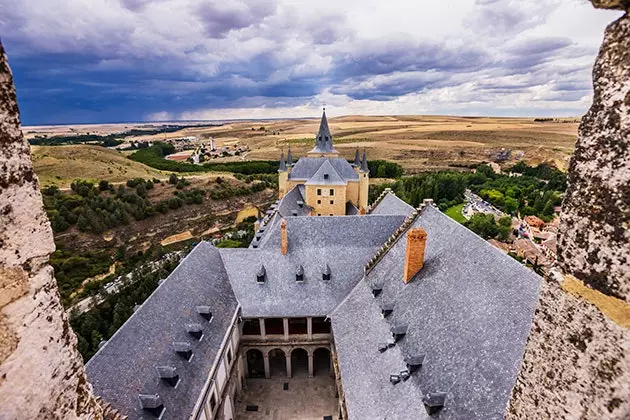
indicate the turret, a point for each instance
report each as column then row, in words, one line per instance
column 289, row 159
column 364, row 163
column 258, row 221
column 364, row 183
column 357, row 161
column 283, row 177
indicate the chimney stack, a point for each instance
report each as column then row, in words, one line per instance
column 284, row 240
column 414, row 256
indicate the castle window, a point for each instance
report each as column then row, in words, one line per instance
column 332, row 191
column 319, row 191
column 213, row 402
column 319, row 201
column 332, row 201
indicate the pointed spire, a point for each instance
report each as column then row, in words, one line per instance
column 259, row 215
column 289, row 158
column 324, row 140
column 364, row 163
column 357, row 161
column 283, row 164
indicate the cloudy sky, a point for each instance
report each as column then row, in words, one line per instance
column 78, row 61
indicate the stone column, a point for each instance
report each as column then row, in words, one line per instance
column 310, row 365
column 239, row 374
column 309, row 327
column 285, row 325
column 331, row 369
column 267, row 370
column 246, row 365
column 263, row 334
column 288, row 359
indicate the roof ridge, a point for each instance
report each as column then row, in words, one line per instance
column 406, row 224
column 379, row 199
column 327, row 166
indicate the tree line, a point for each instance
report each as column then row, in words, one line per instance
column 95, row 209
column 536, row 192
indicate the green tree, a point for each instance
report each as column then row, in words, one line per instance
column 483, row 225
column 103, row 185
column 82, row 223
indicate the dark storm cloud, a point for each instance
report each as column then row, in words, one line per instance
column 221, row 18
column 122, row 64
column 406, row 56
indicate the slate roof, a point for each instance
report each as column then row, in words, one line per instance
column 326, row 175
column 344, row 243
column 391, row 204
column 469, row 310
column 351, row 209
column 306, row 167
column 291, row 202
column 126, row 365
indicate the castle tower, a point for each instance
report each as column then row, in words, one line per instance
column 323, row 183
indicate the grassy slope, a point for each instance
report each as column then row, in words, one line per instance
column 60, row 165
column 455, row 213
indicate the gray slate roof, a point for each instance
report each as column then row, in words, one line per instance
column 126, row 365
column 351, row 209
column 306, row 167
column 358, row 328
column 344, row 243
column 326, row 175
column 469, row 310
column 291, row 202
column 391, row 204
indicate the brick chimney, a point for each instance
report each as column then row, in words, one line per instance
column 414, row 256
column 284, row 240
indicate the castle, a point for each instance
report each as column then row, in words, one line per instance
column 324, row 181
column 413, row 315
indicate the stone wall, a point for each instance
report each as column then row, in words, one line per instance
column 594, row 232
column 41, row 372
column 577, row 360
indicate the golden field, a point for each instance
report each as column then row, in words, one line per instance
column 418, row 143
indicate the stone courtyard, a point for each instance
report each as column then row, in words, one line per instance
column 305, row 399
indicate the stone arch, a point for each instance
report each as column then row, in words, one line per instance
column 277, row 362
column 255, row 363
column 300, row 362
column 322, row 361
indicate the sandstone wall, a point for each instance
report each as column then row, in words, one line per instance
column 41, row 372
column 577, row 360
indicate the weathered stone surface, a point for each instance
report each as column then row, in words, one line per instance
column 576, row 364
column 594, row 233
column 577, row 360
column 41, row 372
column 611, row 4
